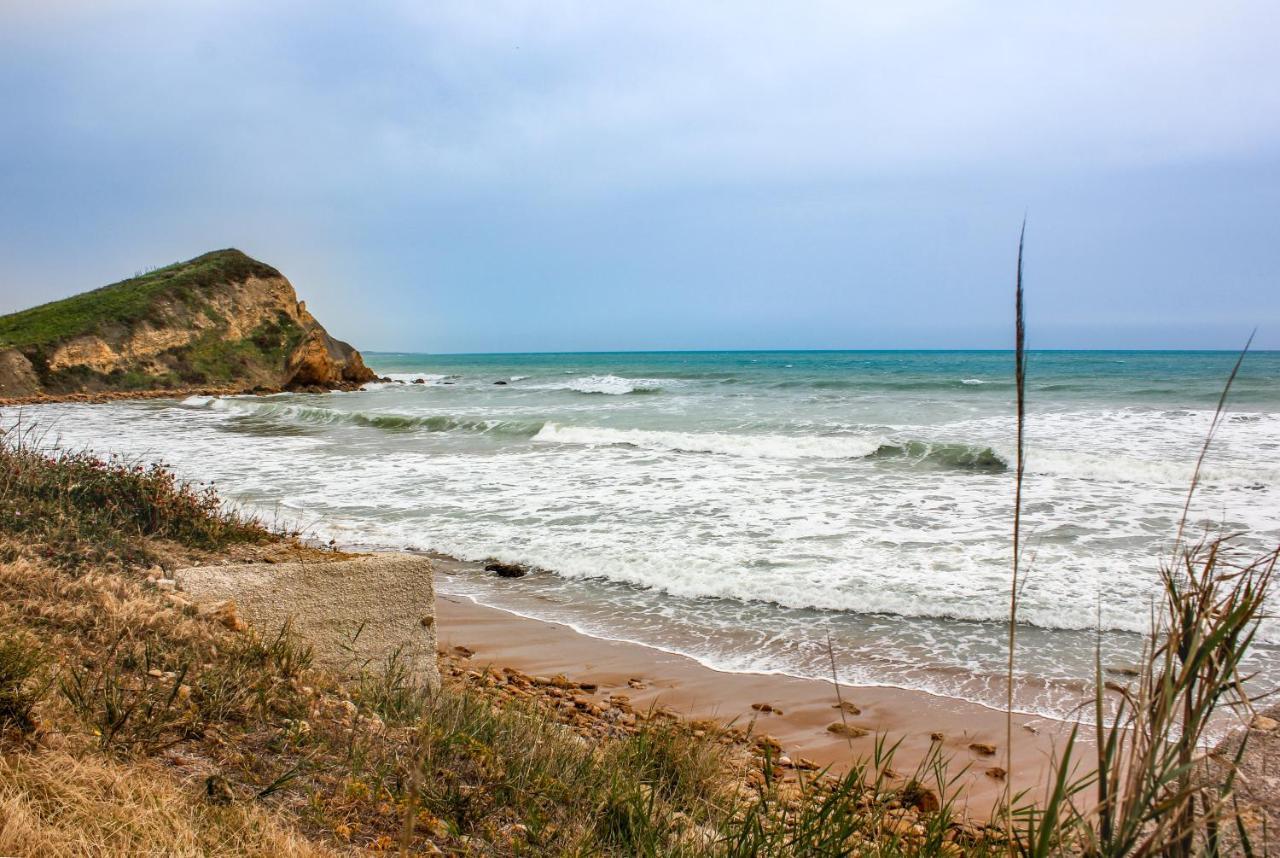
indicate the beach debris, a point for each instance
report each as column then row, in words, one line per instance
column 850, row 731
column 997, row 773
column 762, row 707
column 589, row 687
column 506, row 570
column 465, row 652
column 982, row 748
column 937, row 737
column 846, row 706
column 636, row 683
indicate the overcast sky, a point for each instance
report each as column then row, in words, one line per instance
column 590, row 176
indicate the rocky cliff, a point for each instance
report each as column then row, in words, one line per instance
column 221, row 320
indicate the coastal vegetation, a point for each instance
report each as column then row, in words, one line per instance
column 127, row 302
column 219, row 321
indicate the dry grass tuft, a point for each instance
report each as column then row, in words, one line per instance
column 57, row 804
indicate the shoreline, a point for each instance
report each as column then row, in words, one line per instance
column 94, row 397
column 799, row 710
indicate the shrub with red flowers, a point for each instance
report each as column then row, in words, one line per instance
column 80, row 507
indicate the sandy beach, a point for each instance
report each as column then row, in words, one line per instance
column 803, row 708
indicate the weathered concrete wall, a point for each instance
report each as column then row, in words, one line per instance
column 389, row 598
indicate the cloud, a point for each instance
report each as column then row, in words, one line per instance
column 730, row 172
column 621, row 95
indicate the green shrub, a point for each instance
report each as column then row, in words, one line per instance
column 84, row 509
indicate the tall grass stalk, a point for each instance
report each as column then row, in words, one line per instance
column 1020, row 378
column 1149, row 793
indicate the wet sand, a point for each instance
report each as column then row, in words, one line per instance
column 502, row 639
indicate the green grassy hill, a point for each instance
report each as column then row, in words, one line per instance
column 221, row 319
column 127, row 302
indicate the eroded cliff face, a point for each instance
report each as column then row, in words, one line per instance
column 222, row 319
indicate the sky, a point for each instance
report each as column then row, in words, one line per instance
column 564, row 176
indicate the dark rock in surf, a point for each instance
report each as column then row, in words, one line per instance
column 419, row 381
column 507, row 570
column 499, row 382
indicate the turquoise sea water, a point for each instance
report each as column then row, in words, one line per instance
column 742, row 506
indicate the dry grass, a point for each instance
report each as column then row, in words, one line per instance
column 57, row 804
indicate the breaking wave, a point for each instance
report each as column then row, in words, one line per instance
column 609, row 385
column 385, row 421
column 964, row 457
column 952, row 456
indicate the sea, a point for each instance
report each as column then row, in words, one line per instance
column 769, row 511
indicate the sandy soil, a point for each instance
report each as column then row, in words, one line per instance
column 499, row 638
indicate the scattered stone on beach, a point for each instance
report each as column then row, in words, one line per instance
column 636, row 683
column 762, row 707
column 982, row 748
column 937, row 737
column 463, row 651
column 850, row 731
column 997, row 773
column 846, row 706
column 589, row 687
column 1263, row 723
column 227, row 615
column 920, row 797
column 506, row 570
column 766, row 742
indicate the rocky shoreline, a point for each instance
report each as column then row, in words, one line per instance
column 101, row 396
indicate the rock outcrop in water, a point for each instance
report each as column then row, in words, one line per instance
column 221, row 320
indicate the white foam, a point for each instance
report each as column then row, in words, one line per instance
column 610, row 385
column 754, row 446
column 972, row 381
column 767, row 523
column 411, row 377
